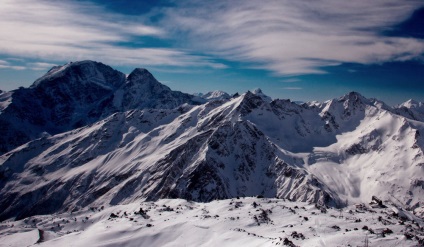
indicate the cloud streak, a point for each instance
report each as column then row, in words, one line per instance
column 6, row 65
column 282, row 36
column 297, row 37
column 66, row 30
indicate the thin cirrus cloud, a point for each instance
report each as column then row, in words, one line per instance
column 291, row 80
column 7, row 65
column 67, row 30
column 40, row 66
column 283, row 36
column 297, row 37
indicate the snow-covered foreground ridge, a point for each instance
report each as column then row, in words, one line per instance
column 231, row 222
column 145, row 142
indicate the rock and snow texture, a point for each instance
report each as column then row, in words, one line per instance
column 258, row 92
column 411, row 109
column 215, row 95
column 341, row 151
column 232, row 222
column 77, row 94
column 152, row 143
column 198, row 153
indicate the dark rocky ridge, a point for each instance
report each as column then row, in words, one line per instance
column 77, row 94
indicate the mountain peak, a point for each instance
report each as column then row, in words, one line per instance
column 142, row 81
column 352, row 95
column 258, row 92
column 249, row 101
column 249, row 94
column 216, row 95
column 411, row 104
column 140, row 71
column 142, row 90
column 355, row 98
column 58, row 68
column 85, row 71
column 78, row 93
column 141, row 74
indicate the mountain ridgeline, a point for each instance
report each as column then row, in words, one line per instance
column 77, row 94
column 85, row 135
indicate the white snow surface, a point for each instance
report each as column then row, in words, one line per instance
column 233, row 222
column 411, row 109
column 5, row 99
column 215, row 95
column 412, row 104
column 346, row 150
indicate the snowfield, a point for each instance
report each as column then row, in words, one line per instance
column 233, row 222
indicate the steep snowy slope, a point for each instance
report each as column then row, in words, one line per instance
column 77, row 94
column 411, row 109
column 343, row 150
column 356, row 146
column 199, row 153
column 381, row 154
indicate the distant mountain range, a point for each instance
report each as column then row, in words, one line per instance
column 85, row 135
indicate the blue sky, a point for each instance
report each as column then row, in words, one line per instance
column 302, row 50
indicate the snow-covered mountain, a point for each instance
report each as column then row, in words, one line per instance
column 108, row 139
column 215, row 95
column 411, row 109
column 339, row 152
column 77, row 94
column 258, row 92
column 195, row 152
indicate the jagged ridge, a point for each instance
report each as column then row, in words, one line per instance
column 343, row 150
column 77, row 94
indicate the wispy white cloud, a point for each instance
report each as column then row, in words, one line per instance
column 20, row 64
column 14, row 67
column 180, row 70
column 283, row 36
column 290, row 80
column 75, row 30
column 6, row 65
column 296, row 37
column 40, row 66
